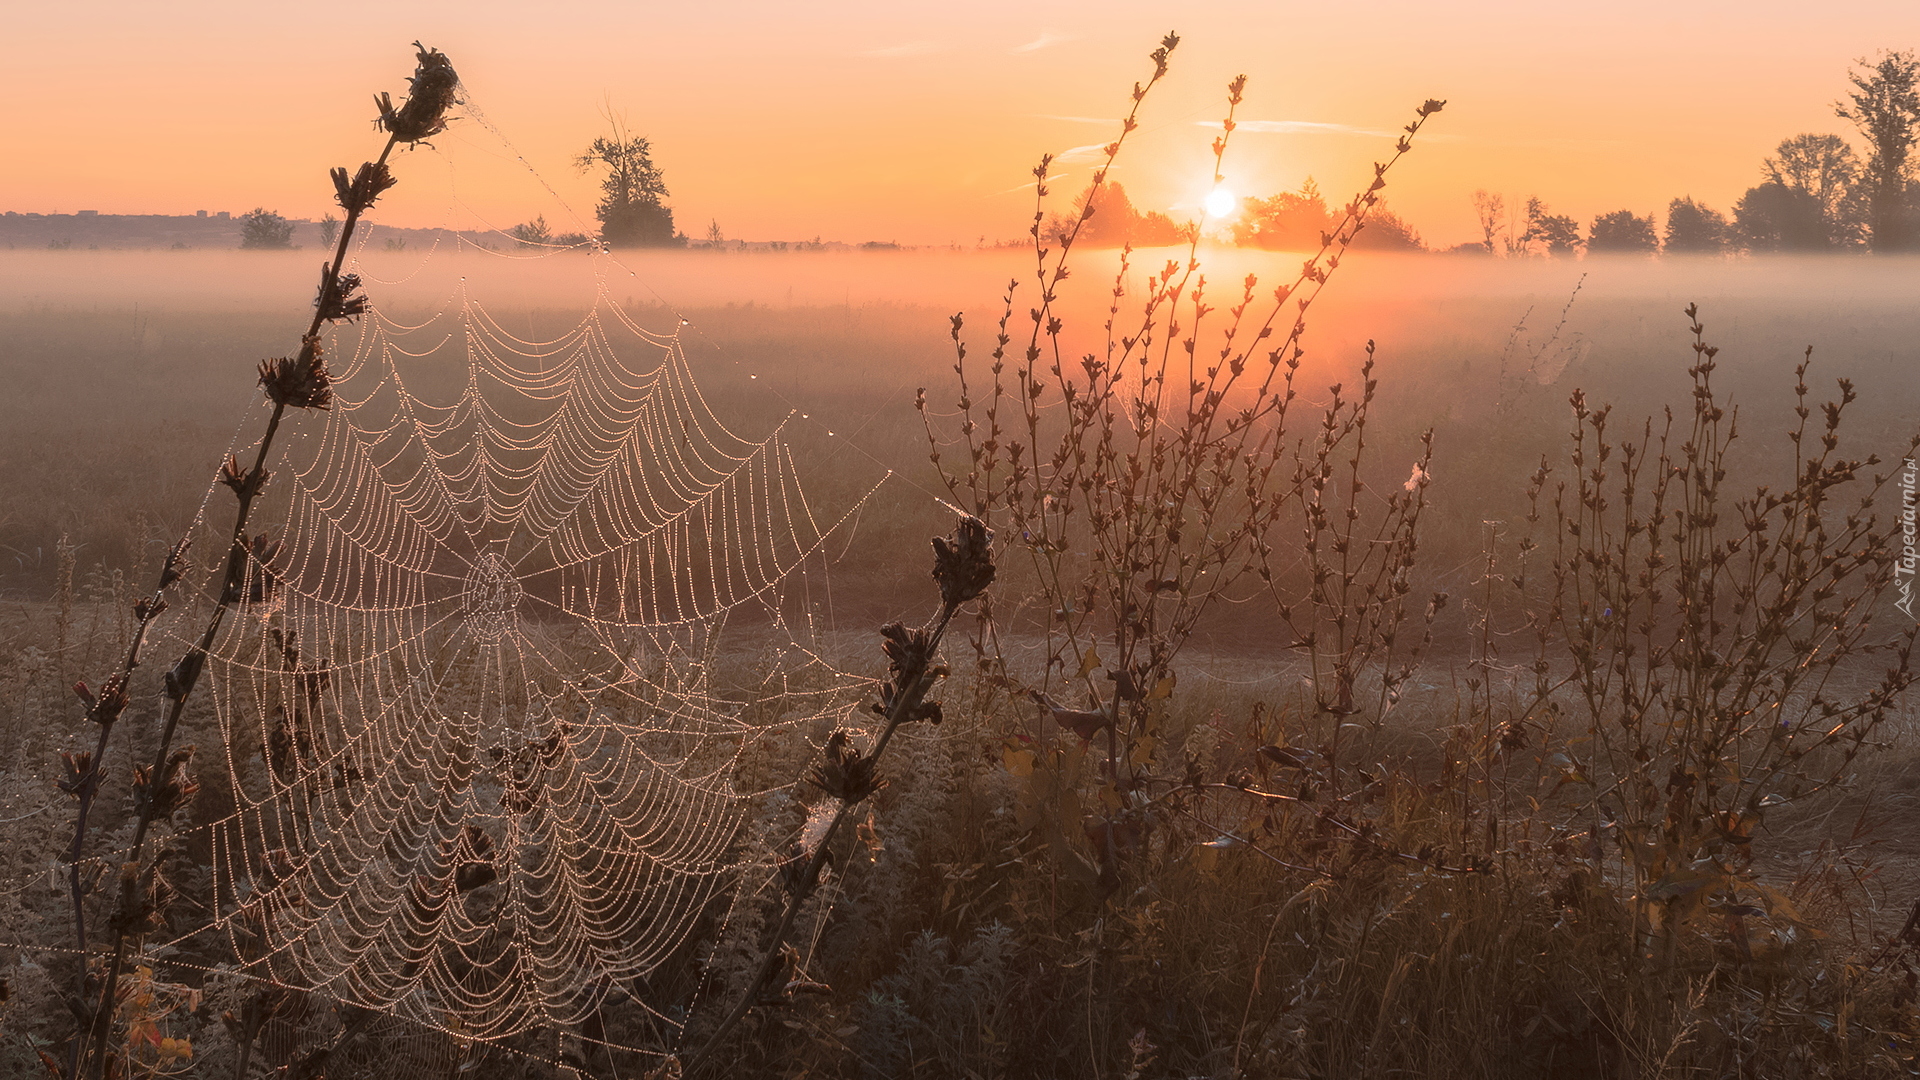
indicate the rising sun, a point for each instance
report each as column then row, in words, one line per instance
column 1220, row 202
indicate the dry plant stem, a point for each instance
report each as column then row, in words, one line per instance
column 87, row 785
column 1145, row 486
column 193, row 664
column 1718, row 639
column 905, row 708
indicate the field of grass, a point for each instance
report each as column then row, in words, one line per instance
column 1427, row 892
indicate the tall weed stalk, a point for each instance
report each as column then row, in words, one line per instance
column 1144, row 484
column 166, row 786
column 1725, row 642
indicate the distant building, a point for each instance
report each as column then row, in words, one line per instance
column 88, row 213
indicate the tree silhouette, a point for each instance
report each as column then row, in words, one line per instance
column 1621, row 231
column 1696, row 228
column 533, row 233
column 1557, row 234
column 1824, row 168
column 1115, row 221
column 1775, row 217
column 1885, row 106
column 631, row 212
column 1385, row 230
column 1289, row 221
column 263, row 230
column 1492, row 212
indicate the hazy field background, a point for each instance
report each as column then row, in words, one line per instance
column 128, row 373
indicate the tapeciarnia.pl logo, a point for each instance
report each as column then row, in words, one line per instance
column 1904, row 565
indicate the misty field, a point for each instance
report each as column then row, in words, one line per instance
column 1424, row 807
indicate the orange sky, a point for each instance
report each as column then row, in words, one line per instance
column 917, row 122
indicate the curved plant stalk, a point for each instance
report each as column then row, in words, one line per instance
column 963, row 565
column 301, row 382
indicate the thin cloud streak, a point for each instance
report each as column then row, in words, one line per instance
column 1028, row 186
column 1046, row 38
column 1082, row 153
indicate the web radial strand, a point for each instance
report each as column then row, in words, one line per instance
column 481, row 771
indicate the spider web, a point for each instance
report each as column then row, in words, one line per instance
column 479, row 750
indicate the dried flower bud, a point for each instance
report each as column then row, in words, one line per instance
column 340, row 298
column 105, row 707
column 846, row 774
column 357, row 194
column 302, row 383
column 235, row 476
column 435, row 86
column 79, row 770
column 907, row 650
column 963, row 565
column 174, row 791
column 176, row 563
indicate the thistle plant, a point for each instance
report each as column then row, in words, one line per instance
column 300, row 382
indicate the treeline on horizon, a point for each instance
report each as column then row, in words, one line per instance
column 1817, row 193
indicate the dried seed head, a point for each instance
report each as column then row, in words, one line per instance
column 301, row 382
column 845, row 773
column 176, row 563
column 358, row 193
column 435, row 86
column 175, row 790
column 340, row 299
column 963, row 565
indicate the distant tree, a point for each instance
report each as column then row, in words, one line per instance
column 1492, row 212
column 533, row 233
column 1695, row 228
column 1885, row 106
column 714, row 235
column 1825, row 168
column 329, row 230
column 263, row 230
column 1387, row 231
column 572, row 240
column 1556, row 234
column 1289, row 221
column 1775, row 217
column 1621, row 231
column 631, row 212
column 1115, row 221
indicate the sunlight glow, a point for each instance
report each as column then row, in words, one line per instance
column 1221, row 202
